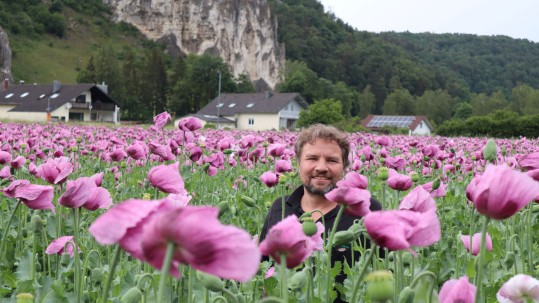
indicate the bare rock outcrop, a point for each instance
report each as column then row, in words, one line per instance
column 242, row 32
column 5, row 57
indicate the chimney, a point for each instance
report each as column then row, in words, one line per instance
column 6, row 84
column 56, row 86
column 268, row 94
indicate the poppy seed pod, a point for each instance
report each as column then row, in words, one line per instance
column 436, row 184
column 380, row 285
column 297, row 281
column 248, row 201
column 383, row 173
column 223, row 208
column 25, row 298
column 211, row 282
column 490, row 151
column 133, row 295
column 36, row 223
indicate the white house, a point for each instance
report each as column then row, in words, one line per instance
column 416, row 125
column 254, row 111
column 56, row 102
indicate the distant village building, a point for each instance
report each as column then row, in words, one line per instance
column 416, row 125
column 253, row 111
column 57, row 102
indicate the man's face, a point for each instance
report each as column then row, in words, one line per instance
column 320, row 166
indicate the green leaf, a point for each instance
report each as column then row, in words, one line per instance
column 24, row 268
column 56, row 294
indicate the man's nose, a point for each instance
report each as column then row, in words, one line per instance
column 321, row 166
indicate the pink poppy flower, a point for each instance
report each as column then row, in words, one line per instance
column 384, row 141
column 190, row 124
column 118, row 154
column 270, row 272
column 398, row 181
column 211, row 171
column 357, row 201
column 534, row 173
column 400, row 229
column 460, row 290
column 5, row 157
column 395, row 163
column 529, row 161
column 138, row 150
column 430, row 150
column 161, row 150
column 287, row 237
column 161, row 120
column 83, row 192
column 283, row 166
column 98, row 178
column 217, row 249
column 269, row 179
column 5, row 172
column 276, row 149
column 247, row 141
column 55, row 170
column 18, row 162
column 476, row 243
column 353, row 179
column 470, row 188
column 179, row 200
column 33, row 196
column 61, row 245
column 123, row 223
column 502, row 191
column 519, row 289
column 167, row 178
column 418, row 200
column 367, row 152
column 195, row 153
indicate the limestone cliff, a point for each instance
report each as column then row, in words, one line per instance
column 5, row 57
column 242, row 32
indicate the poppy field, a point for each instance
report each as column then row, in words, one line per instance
column 131, row 214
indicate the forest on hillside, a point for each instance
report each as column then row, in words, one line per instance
column 443, row 76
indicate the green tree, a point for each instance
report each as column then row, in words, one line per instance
column 244, row 85
column 299, row 79
column 400, row 102
column 154, row 83
column 366, row 102
column 325, row 111
column 525, row 100
column 463, row 111
column 436, row 105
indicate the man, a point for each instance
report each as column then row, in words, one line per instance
column 322, row 155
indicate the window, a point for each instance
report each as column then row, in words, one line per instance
column 251, row 121
column 220, row 105
column 24, row 94
column 9, row 96
column 53, row 96
column 250, row 105
column 232, row 105
column 81, row 99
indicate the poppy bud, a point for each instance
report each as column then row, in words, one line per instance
column 509, row 260
column 297, row 280
column 123, row 164
column 383, row 173
column 490, row 151
column 425, row 158
column 146, row 196
column 223, row 208
column 407, row 295
column 65, row 259
column 504, row 151
column 363, row 158
column 227, row 151
column 343, row 237
column 79, row 139
column 282, row 179
column 380, row 285
column 452, row 150
column 436, row 184
column 233, row 210
column 23, row 145
column 414, row 176
column 205, row 166
column 36, row 223
column 293, row 174
column 248, row 201
column 211, row 282
column 25, row 298
column 73, row 149
column 4, row 181
column 265, row 144
column 308, row 225
column 268, row 204
column 133, row 295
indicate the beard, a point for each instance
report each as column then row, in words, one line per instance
column 311, row 189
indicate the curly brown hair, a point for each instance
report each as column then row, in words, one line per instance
column 326, row 132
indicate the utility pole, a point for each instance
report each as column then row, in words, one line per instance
column 219, row 100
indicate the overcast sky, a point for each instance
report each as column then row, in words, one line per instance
column 513, row 18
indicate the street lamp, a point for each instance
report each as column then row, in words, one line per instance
column 219, row 100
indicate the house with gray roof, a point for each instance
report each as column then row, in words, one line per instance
column 416, row 125
column 254, row 111
column 57, row 102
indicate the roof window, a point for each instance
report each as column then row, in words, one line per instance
column 53, row 96
column 9, row 95
column 232, row 105
column 250, row 105
column 220, row 105
column 24, row 94
column 42, row 96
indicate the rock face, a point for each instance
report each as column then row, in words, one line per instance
column 242, row 32
column 5, row 57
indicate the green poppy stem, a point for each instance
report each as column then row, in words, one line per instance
column 164, row 271
column 482, row 251
column 4, row 234
column 284, row 286
column 76, row 218
column 108, row 284
column 358, row 280
column 329, row 248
